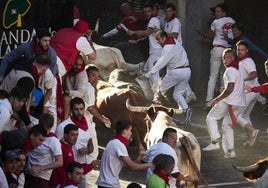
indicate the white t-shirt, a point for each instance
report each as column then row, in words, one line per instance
column 46, row 82
column 82, row 141
column 111, row 164
column 174, row 26
column 89, row 97
column 83, row 46
column 237, row 97
column 44, row 155
column 220, row 25
column 7, row 123
column 162, row 148
column 3, row 179
column 153, row 44
column 247, row 66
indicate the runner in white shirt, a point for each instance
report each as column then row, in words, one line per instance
column 248, row 67
column 83, row 147
column 43, row 159
column 222, row 24
column 173, row 29
column 166, row 146
column 116, row 155
column 178, row 71
column 154, row 47
column 228, row 105
column 173, row 24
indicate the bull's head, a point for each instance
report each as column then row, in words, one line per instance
column 152, row 111
column 254, row 171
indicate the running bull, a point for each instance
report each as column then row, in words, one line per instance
column 158, row 118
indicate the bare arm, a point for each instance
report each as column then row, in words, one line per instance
column 133, row 165
column 210, row 35
column 93, row 55
column 87, row 150
column 141, row 33
column 226, row 92
column 173, row 35
column 96, row 113
column 57, row 163
column 47, row 95
column 251, row 76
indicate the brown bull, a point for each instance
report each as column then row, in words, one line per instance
column 112, row 103
column 256, row 172
column 158, row 118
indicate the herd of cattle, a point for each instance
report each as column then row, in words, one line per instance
column 122, row 95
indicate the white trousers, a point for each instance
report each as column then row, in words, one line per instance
column 244, row 117
column 216, row 67
column 178, row 78
column 219, row 111
column 154, row 79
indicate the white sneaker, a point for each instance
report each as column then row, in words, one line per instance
column 191, row 97
column 211, row 147
column 230, row 154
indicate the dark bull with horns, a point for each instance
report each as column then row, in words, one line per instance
column 256, row 173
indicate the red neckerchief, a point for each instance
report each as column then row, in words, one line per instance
column 234, row 64
column 162, row 176
column 38, row 50
column 51, row 134
column 171, row 18
column 72, row 73
column 36, row 75
column 245, row 57
column 28, row 146
column 121, row 139
column 170, row 40
column 154, row 15
column 82, row 124
column 60, row 108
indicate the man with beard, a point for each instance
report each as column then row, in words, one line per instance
column 248, row 67
column 39, row 45
column 74, row 83
column 83, row 148
column 9, row 106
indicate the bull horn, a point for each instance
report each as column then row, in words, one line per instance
column 246, row 168
column 135, row 108
column 177, row 110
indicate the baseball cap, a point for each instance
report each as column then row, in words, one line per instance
column 10, row 155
